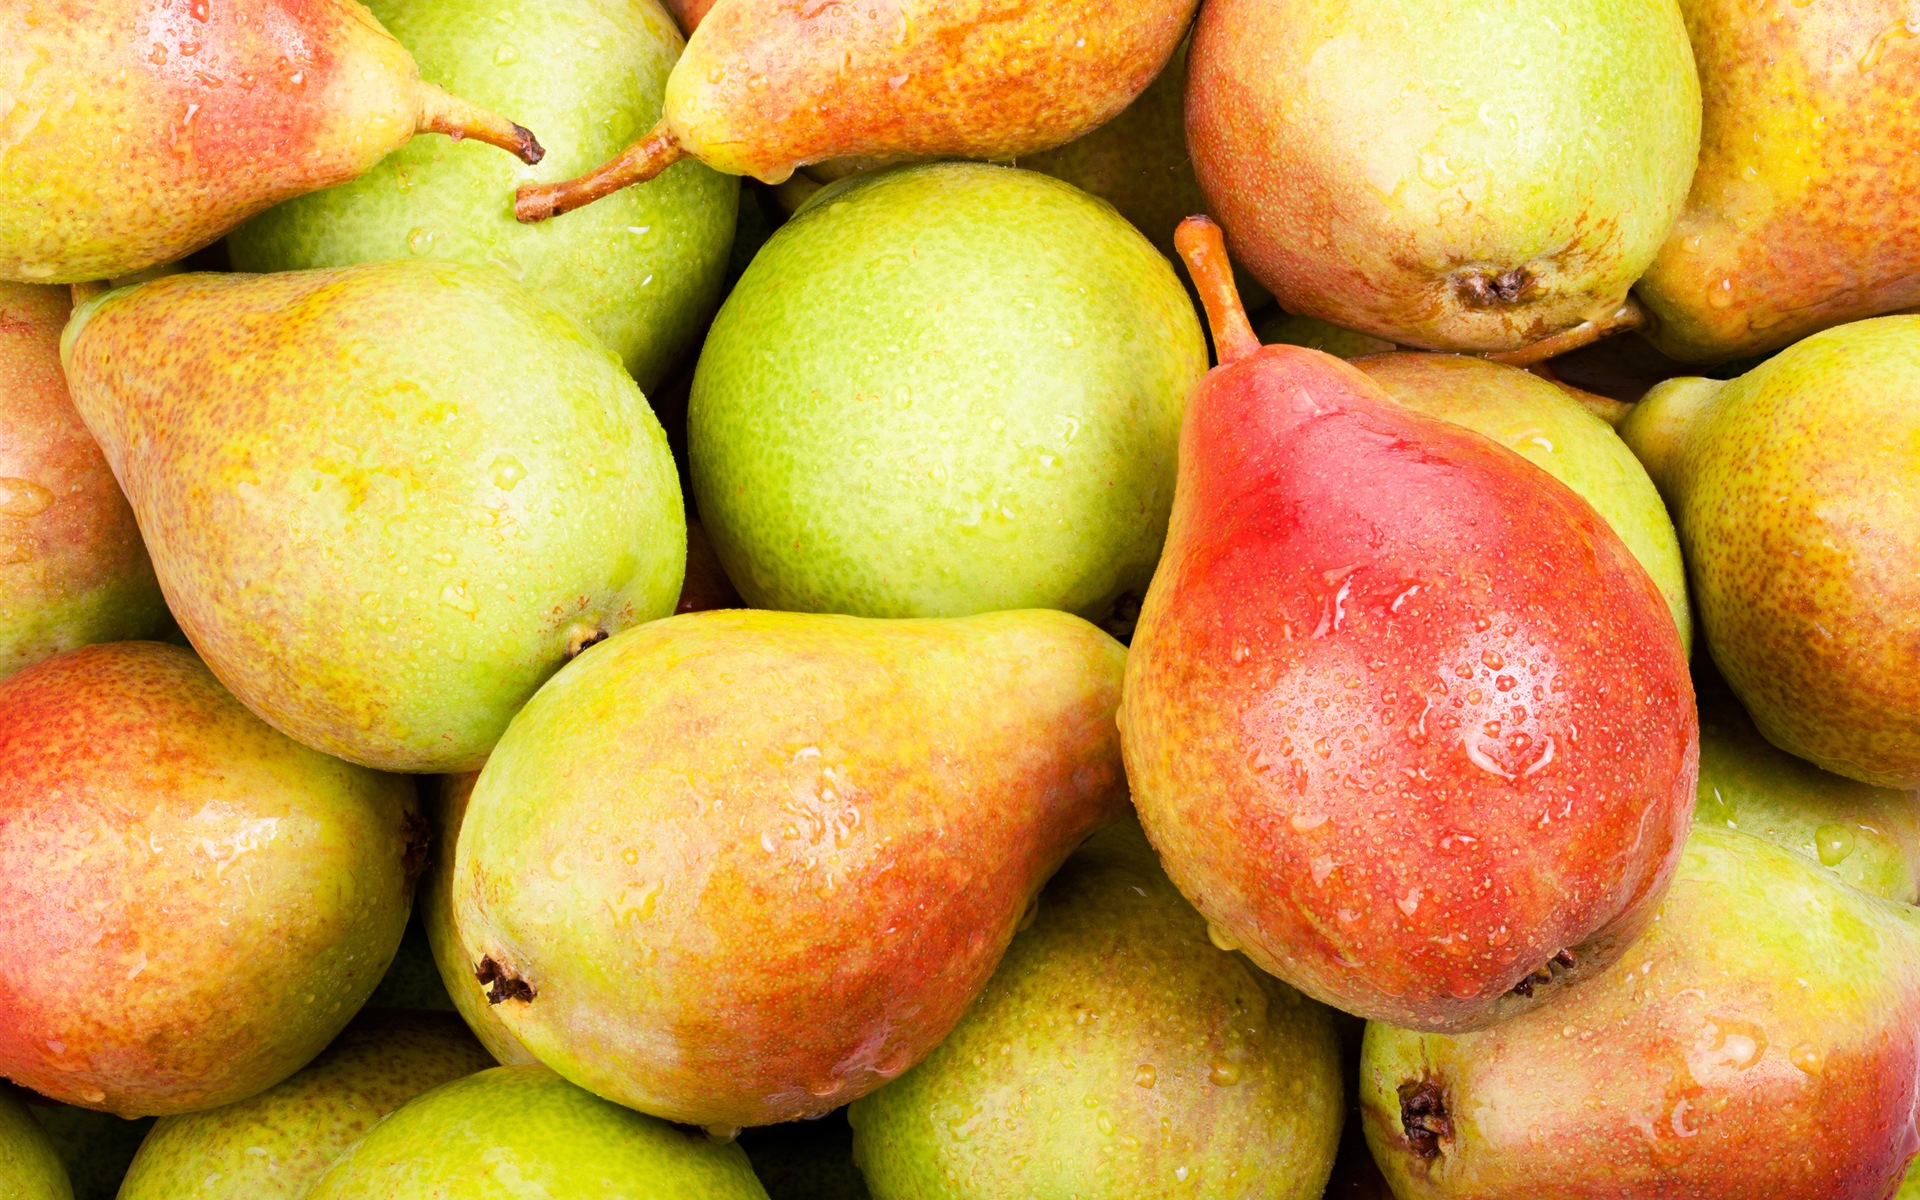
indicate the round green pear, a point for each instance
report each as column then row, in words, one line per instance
column 641, row 270
column 524, row 1131
column 940, row 390
column 95, row 1146
column 30, row 1167
column 1118, row 1052
column 273, row 1146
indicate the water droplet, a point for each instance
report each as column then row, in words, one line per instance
column 419, row 241
column 506, row 55
column 455, row 596
column 1220, row 938
column 1145, row 1076
column 1809, row 1058
column 1721, row 294
column 1224, row 1074
column 23, row 498
column 507, row 471
column 1834, row 842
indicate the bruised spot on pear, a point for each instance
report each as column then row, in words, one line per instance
column 581, row 637
column 501, row 984
column 1423, row 1114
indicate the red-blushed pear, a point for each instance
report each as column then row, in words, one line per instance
column 1404, row 718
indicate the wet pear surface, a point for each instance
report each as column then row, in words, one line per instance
column 29, row 1167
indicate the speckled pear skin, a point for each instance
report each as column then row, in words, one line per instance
column 1788, row 488
column 195, row 904
column 73, row 569
column 1473, row 181
column 1117, row 1053
column 1771, row 1005
column 640, row 270
column 1550, row 429
column 384, row 501
column 1805, row 210
column 1869, row 836
column 435, row 901
column 1404, row 717
column 770, row 85
column 524, row 1131
column 138, row 130
column 734, row 868
column 945, row 389
column 29, row 1166
column 273, row 1146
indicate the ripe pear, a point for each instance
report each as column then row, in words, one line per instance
column 138, row 132
column 769, row 85
column 1805, row 209
column 95, row 1147
column 29, row 1166
column 384, row 501
column 642, row 273
column 940, row 390
column 1404, row 717
column 1869, row 836
column 273, row 1146
column 1789, row 487
column 73, row 570
column 1543, row 424
column 1480, row 178
column 193, row 904
column 1117, row 1052
column 733, row 868
column 1757, row 1042
column 524, row 1131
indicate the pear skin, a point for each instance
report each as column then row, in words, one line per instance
column 194, row 904
column 1479, row 180
column 435, row 903
column 30, row 1168
column 1758, row 1042
column 1293, row 330
column 1805, row 209
column 1788, row 488
column 733, row 868
column 1404, row 717
column 273, row 1146
column 1117, row 1054
column 524, row 1131
column 138, row 132
column 73, row 570
column 384, row 501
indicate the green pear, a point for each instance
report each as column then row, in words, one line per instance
column 95, row 1146
column 806, row 1160
column 384, row 501
column 276, row 1144
column 1291, row 329
column 1117, row 1052
column 945, row 389
column 1789, row 488
column 641, row 272
column 1757, row 1042
column 1544, row 425
column 524, row 1131
column 30, row 1167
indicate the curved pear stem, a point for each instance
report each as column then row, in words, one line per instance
column 1628, row 316
column 443, row 112
column 638, row 163
column 1204, row 248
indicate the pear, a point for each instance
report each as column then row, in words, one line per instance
column 1757, row 1042
column 1542, row 423
column 1788, row 487
column 73, row 570
column 1485, row 178
column 136, row 133
column 642, row 273
column 276, row 1144
column 193, row 904
column 1869, row 836
column 524, row 1131
column 1119, row 1053
column 29, row 1166
column 1805, row 211
column 769, row 85
column 733, row 868
column 940, row 390
column 1294, row 330
column 95, row 1147
column 384, row 501
column 1404, row 717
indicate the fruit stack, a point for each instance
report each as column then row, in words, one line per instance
column 1421, row 698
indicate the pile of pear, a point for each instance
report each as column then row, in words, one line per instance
column 731, row 625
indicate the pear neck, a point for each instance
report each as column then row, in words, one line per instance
column 1657, row 428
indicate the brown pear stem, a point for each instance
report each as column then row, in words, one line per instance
column 1204, row 247
column 444, row 112
column 638, row 163
column 83, row 292
column 1628, row 316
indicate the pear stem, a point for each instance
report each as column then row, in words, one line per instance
column 1628, row 316
column 638, row 163
column 1204, row 247
column 444, row 112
